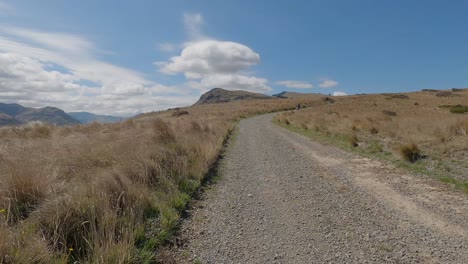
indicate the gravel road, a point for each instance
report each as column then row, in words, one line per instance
column 283, row 198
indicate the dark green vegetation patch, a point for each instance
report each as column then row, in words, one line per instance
column 456, row 109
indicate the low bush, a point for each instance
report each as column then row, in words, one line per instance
column 459, row 109
column 456, row 109
column 399, row 96
column 446, row 94
column 179, row 112
column 389, row 113
column 410, row 152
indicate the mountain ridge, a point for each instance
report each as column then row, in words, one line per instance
column 16, row 114
column 87, row 117
column 219, row 95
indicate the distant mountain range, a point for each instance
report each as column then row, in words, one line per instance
column 85, row 118
column 15, row 114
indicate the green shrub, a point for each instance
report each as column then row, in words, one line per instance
column 459, row 109
column 456, row 109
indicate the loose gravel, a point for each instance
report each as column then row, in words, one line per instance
column 283, row 198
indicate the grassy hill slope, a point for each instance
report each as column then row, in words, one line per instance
column 428, row 128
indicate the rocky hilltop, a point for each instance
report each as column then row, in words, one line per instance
column 218, row 95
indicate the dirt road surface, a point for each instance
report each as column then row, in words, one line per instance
column 283, row 198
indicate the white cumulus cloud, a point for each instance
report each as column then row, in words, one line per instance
column 295, row 84
column 207, row 57
column 327, row 83
column 338, row 93
column 211, row 63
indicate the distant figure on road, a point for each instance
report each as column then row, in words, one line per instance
column 298, row 107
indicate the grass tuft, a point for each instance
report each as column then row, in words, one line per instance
column 410, row 152
column 463, row 185
column 353, row 141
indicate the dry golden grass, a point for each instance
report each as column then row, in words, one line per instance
column 108, row 193
column 391, row 122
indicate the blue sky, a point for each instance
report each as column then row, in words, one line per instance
column 126, row 57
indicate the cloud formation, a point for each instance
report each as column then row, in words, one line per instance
column 40, row 68
column 327, row 83
column 207, row 63
column 295, row 84
column 338, row 93
column 47, row 68
column 208, row 57
column 193, row 23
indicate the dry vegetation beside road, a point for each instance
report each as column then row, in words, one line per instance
column 108, row 193
column 428, row 129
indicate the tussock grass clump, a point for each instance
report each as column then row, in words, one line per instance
column 459, row 129
column 179, row 112
column 23, row 187
column 399, row 96
column 389, row 113
column 430, row 90
column 162, row 131
column 94, row 218
column 446, row 94
column 353, row 140
column 456, row 90
column 410, row 152
column 24, row 247
column 35, row 129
